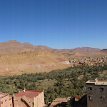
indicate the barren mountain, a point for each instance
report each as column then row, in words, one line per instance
column 18, row 58
column 82, row 52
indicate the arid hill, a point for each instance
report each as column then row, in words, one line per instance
column 82, row 52
column 104, row 51
column 18, row 58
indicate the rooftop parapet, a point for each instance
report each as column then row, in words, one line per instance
column 97, row 82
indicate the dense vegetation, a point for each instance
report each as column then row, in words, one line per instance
column 60, row 83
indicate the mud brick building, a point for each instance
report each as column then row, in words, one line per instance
column 96, row 93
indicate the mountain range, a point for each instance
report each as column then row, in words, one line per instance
column 17, row 58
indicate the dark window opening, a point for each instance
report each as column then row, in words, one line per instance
column 90, row 88
column 101, row 97
column 101, row 89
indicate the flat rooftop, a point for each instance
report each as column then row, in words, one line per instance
column 28, row 93
column 97, row 82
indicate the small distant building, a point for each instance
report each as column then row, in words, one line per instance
column 96, row 93
column 5, row 100
column 59, row 102
column 29, row 98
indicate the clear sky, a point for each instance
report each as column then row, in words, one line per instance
column 55, row 23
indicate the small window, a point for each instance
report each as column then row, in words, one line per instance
column 101, row 97
column 101, row 89
column 90, row 88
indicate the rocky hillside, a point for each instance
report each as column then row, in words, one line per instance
column 18, row 58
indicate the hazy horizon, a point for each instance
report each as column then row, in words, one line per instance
column 48, row 46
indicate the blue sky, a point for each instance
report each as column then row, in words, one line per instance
column 55, row 23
